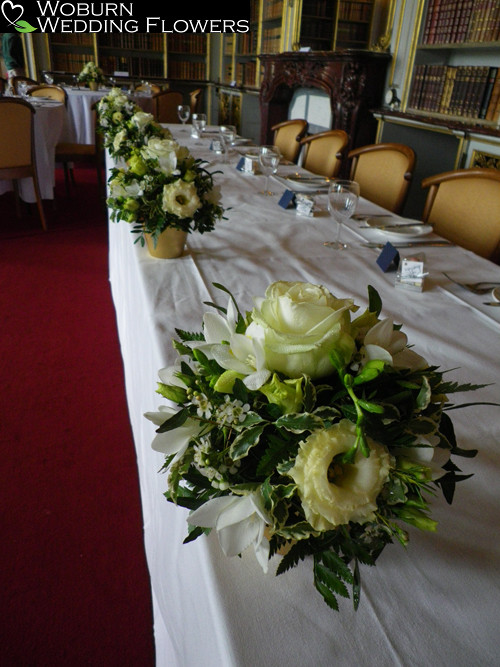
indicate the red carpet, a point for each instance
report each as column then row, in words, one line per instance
column 74, row 584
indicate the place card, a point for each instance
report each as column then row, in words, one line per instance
column 388, row 259
column 216, row 146
column 304, row 205
column 287, row 199
column 411, row 273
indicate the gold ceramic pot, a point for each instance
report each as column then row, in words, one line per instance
column 170, row 244
column 93, row 85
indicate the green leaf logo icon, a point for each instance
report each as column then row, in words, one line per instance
column 12, row 13
column 24, row 26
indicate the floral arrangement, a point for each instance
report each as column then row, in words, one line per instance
column 91, row 74
column 301, row 430
column 161, row 184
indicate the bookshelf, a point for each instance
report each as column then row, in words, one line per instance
column 344, row 24
column 188, row 56
column 139, row 54
column 456, row 70
column 69, row 52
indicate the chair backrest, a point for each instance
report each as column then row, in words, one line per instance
column 195, row 100
column 464, row 207
column 17, row 79
column 152, row 87
column 3, row 85
column 384, row 173
column 287, row 136
column 16, row 134
column 49, row 90
column 324, row 152
column 165, row 106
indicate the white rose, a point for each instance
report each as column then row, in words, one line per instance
column 181, row 199
column 332, row 493
column 141, row 119
column 163, row 150
column 118, row 139
column 300, row 324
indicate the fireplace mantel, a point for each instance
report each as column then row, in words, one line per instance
column 353, row 80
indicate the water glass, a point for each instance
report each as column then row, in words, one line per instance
column 183, row 111
column 269, row 159
column 227, row 134
column 199, row 121
column 343, row 198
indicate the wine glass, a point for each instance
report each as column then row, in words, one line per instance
column 343, row 198
column 227, row 135
column 183, row 111
column 22, row 88
column 269, row 159
column 48, row 78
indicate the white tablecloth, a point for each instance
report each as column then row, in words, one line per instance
column 435, row 603
column 49, row 121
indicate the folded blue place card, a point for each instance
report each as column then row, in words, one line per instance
column 287, row 198
column 388, row 259
column 241, row 165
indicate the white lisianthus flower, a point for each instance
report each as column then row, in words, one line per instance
column 426, row 453
column 177, row 440
column 239, row 521
column 118, row 139
column 118, row 189
column 181, row 199
column 384, row 343
column 163, row 150
column 301, row 324
column 333, row 494
column 140, row 119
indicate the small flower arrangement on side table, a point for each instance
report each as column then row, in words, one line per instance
column 297, row 429
column 91, row 74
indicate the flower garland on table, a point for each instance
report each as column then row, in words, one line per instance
column 161, row 185
column 91, row 73
column 298, row 429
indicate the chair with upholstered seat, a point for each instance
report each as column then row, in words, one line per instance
column 384, row 172
column 69, row 153
column 287, row 137
column 195, row 100
column 323, row 152
column 17, row 148
column 49, row 90
column 464, row 206
column 165, row 106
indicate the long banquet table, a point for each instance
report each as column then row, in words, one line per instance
column 435, row 603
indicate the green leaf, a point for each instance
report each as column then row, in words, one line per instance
column 328, row 596
column 374, row 301
column 23, row 26
column 299, row 422
column 172, row 392
column 370, row 371
column 174, row 421
column 330, row 579
column 371, row 407
column 245, row 441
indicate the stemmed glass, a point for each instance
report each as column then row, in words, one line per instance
column 227, row 135
column 183, row 111
column 48, row 78
column 343, row 198
column 269, row 159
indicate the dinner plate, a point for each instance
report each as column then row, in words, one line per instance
column 399, row 228
column 299, row 183
column 496, row 293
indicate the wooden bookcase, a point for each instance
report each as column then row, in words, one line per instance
column 341, row 24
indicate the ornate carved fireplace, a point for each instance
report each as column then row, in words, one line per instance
column 353, row 80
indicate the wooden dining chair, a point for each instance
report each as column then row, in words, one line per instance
column 68, row 153
column 323, row 152
column 384, row 172
column 287, row 137
column 51, row 90
column 17, row 79
column 3, row 85
column 464, row 206
column 165, row 106
column 195, row 100
column 17, row 148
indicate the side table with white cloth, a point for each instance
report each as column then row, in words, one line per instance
column 49, row 120
column 435, row 603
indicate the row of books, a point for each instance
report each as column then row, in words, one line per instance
column 139, row 41
column 247, row 43
column 134, row 65
column 352, row 32
column 187, row 70
column 320, row 8
column 77, row 39
column 355, row 11
column 459, row 21
column 272, row 9
column 271, row 40
column 464, row 90
column 246, row 73
column 187, row 43
column 70, row 62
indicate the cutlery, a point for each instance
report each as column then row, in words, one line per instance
column 491, row 303
column 365, row 216
column 397, row 226
column 476, row 288
column 412, row 244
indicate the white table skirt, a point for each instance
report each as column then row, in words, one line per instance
column 48, row 125
column 435, row 603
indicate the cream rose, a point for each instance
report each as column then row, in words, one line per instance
column 163, row 150
column 141, row 119
column 181, row 199
column 333, row 494
column 118, row 140
column 300, row 324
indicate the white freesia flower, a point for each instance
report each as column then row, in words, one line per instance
column 168, row 375
column 384, row 343
column 177, row 440
column 426, row 453
column 213, row 196
column 141, row 119
column 119, row 189
column 181, row 199
column 239, row 521
column 119, row 139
